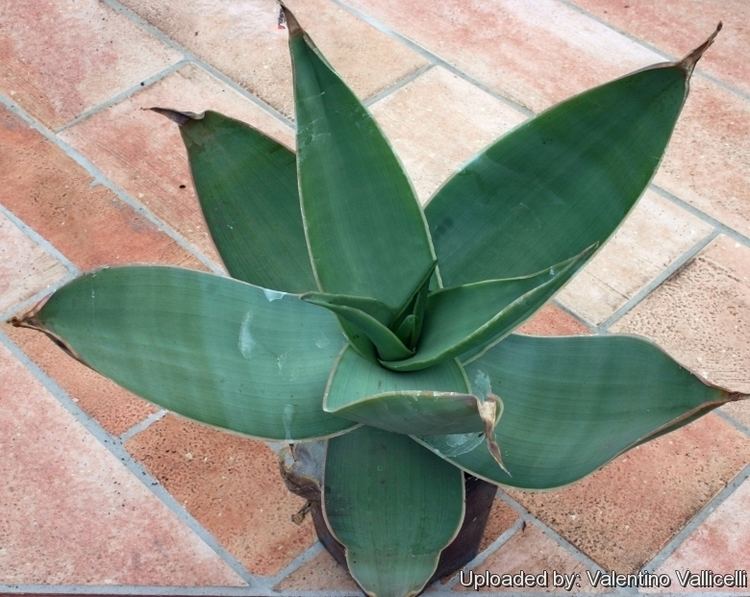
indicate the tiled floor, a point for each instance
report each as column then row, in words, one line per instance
column 104, row 493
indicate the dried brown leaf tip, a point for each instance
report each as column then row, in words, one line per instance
column 31, row 321
column 688, row 62
column 175, row 115
column 29, row 318
column 489, row 411
column 287, row 16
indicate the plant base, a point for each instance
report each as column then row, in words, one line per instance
column 302, row 470
column 463, row 549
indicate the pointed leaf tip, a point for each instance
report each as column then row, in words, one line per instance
column 292, row 24
column 29, row 319
column 176, row 116
column 688, row 62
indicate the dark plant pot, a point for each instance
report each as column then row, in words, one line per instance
column 302, row 466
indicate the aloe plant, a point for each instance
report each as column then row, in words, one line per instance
column 355, row 316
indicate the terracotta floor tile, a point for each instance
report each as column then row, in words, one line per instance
column 25, row 268
column 143, row 153
column 536, row 53
column 438, row 122
column 708, row 159
column 653, row 235
column 321, row 573
column 501, row 518
column 667, row 24
column 623, row 514
column 532, row 552
column 60, row 485
column 61, row 57
column 113, row 407
column 700, row 317
column 86, row 222
column 721, row 543
column 231, row 485
column 242, row 39
column 739, row 411
column 551, row 320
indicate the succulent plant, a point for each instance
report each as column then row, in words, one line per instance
column 355, row 316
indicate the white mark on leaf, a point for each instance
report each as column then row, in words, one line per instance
column 455, row 444
column 273, row 295
column 245, row 341
column 286, row 420
column 482, row 385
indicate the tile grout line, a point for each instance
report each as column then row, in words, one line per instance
column 99, row 178
column 116, row 448
column 295, row 564
column 398, row 84
column 723, row 228
column 591, row 327
column 28, row 303
column 431, row 56
column 701, row 72
column 666, row 273
column 39, row 240
column 50, row 249
column 119, row 97
column 733, row 422
column 700, row 517
column 488, row 551
column 141, row 425
column 157, row 33
column 561, row 541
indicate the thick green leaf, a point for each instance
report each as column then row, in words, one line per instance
column 216, row 350
column 407, row 330
column 354, row 377
column 365, row 229
column 415, row 304
column 464, row 317
column 371, row 307
column 393, row 505
column 572, row 404
column 247, row 186
column 408, row 323
column 384, row 340
column 424, row 412
column 559, row 183
column 427, row 402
